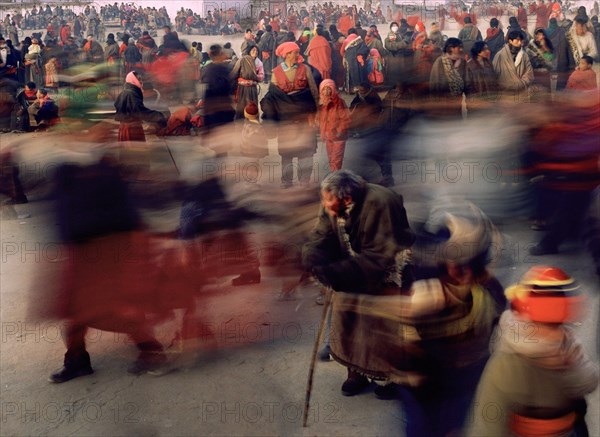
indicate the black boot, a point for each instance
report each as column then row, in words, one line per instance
column 74, row 367
column 247, row 278
column 355, row 384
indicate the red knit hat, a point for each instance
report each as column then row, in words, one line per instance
column 251, row 111
column 548, row 295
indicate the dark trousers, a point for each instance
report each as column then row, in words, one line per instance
column 441, row 405
column 568, row 210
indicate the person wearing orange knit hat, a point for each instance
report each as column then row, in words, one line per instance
column 538, row 375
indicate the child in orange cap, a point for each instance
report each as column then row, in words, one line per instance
column 535, row 382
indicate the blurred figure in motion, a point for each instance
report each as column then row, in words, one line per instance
column 565, row 152
column 592, row 230
column 446, row 322
column 206, row 212
column 218, row 108
column 10, row 184
column 539, row 373
column 109, row 282
column 131, row 110
column 358, row 247
column 367, row 128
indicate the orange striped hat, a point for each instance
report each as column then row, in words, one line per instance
column 547, row 295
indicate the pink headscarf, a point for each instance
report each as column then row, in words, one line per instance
column 285, row 48
column 132, row 79
column 329, row 83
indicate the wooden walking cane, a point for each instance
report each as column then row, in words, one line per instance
column 313, row 359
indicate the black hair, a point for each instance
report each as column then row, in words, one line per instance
column 214, row 50
column 515, row 34
column 548, row 41
column 477, row 48
column 452, row 43
column 588, row 59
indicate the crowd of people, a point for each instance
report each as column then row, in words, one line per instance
column 289, row 82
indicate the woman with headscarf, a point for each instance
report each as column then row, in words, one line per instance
column 375, row 68
column 541, row 54
column 334, row 122
column 319, row 54
column 248, row 72
column 131, row 110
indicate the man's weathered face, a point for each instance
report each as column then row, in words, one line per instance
column 333, row 205
column 292, row 57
